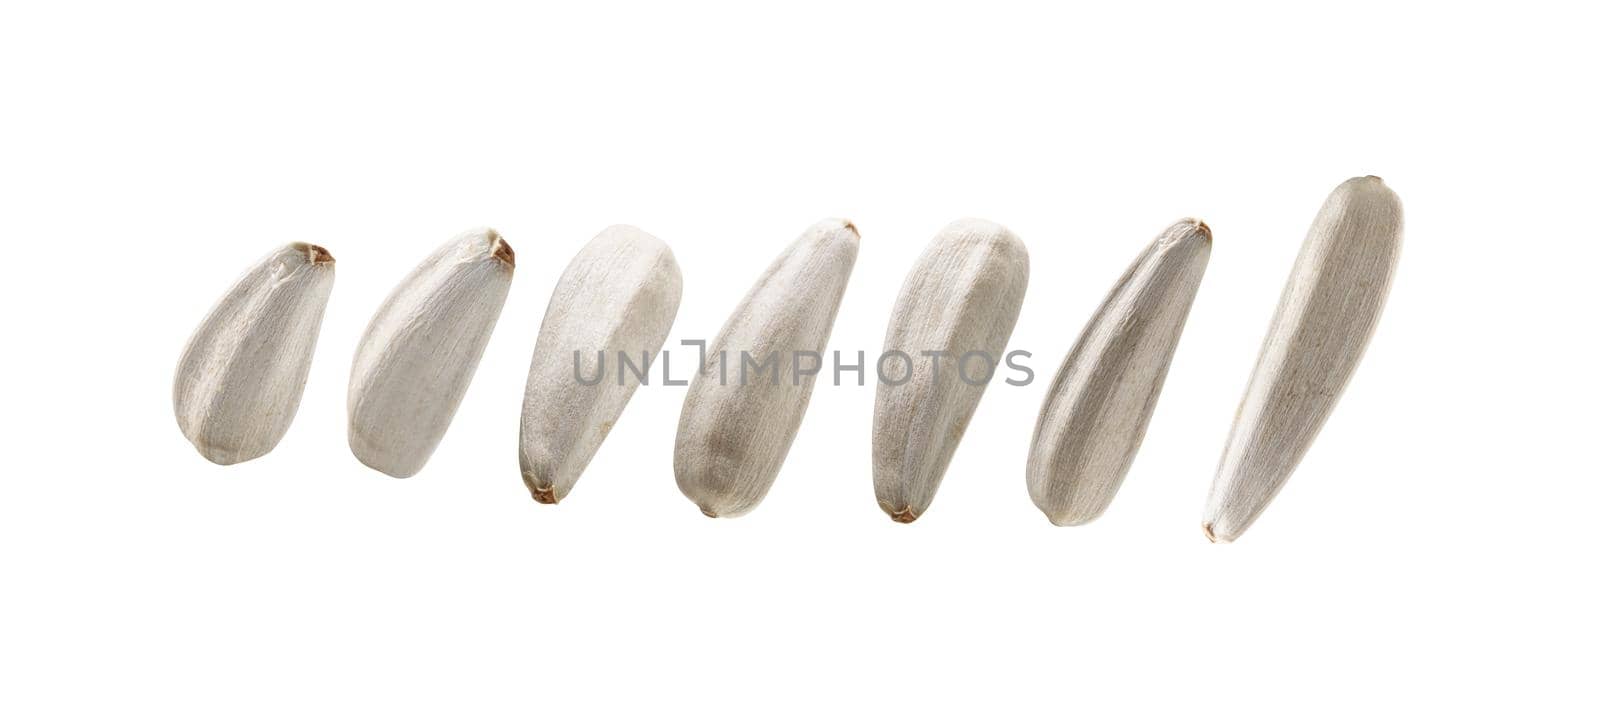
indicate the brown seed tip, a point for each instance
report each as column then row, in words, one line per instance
column 903, row 515
column 503, row 251
column 542, row 492
column 315, row 254
column 1211, row 534
column 708, row 512
column 852, row 227
column 1204, row 228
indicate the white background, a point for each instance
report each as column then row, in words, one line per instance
column 1432, row 560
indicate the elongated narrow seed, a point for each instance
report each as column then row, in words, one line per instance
column 240, row 377
column 746, row 403
column 1325, row 318
column 1094, row 417
column 419, row 352
column 617, row 298
column 946, row 337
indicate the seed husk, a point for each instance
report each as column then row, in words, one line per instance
column 618, row 296
column 1328, row 312
column 1095, row 414
column 240, row 377
column 733, row 436
column 421, row 349
column 961, row 300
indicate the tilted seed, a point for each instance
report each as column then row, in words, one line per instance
column 1095, row 414
column 240, row 377
column 418, row 354
column 1328, row 312
column 618, row 296
column 734, row 436
column 961, row 298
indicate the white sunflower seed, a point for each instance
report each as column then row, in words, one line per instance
column 240, row 377
column 1324, row 319
column 735, row 430
column 949, row 328
column 419, row 352
column 617, row 297
column 1095, row 414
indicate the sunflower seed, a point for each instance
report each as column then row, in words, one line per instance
column 618, row 296
column 957, row 307
column 419, row 352
column 735, row 431
column 240, row 377
column 1324, row 319
column 1094, row 417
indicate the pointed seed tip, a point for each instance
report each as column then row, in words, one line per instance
column 708, row 512
column 543, row 493
column 905, row 515
column 1211, row 534
column 503, row 251
column 852, row 227
column 315, row 254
